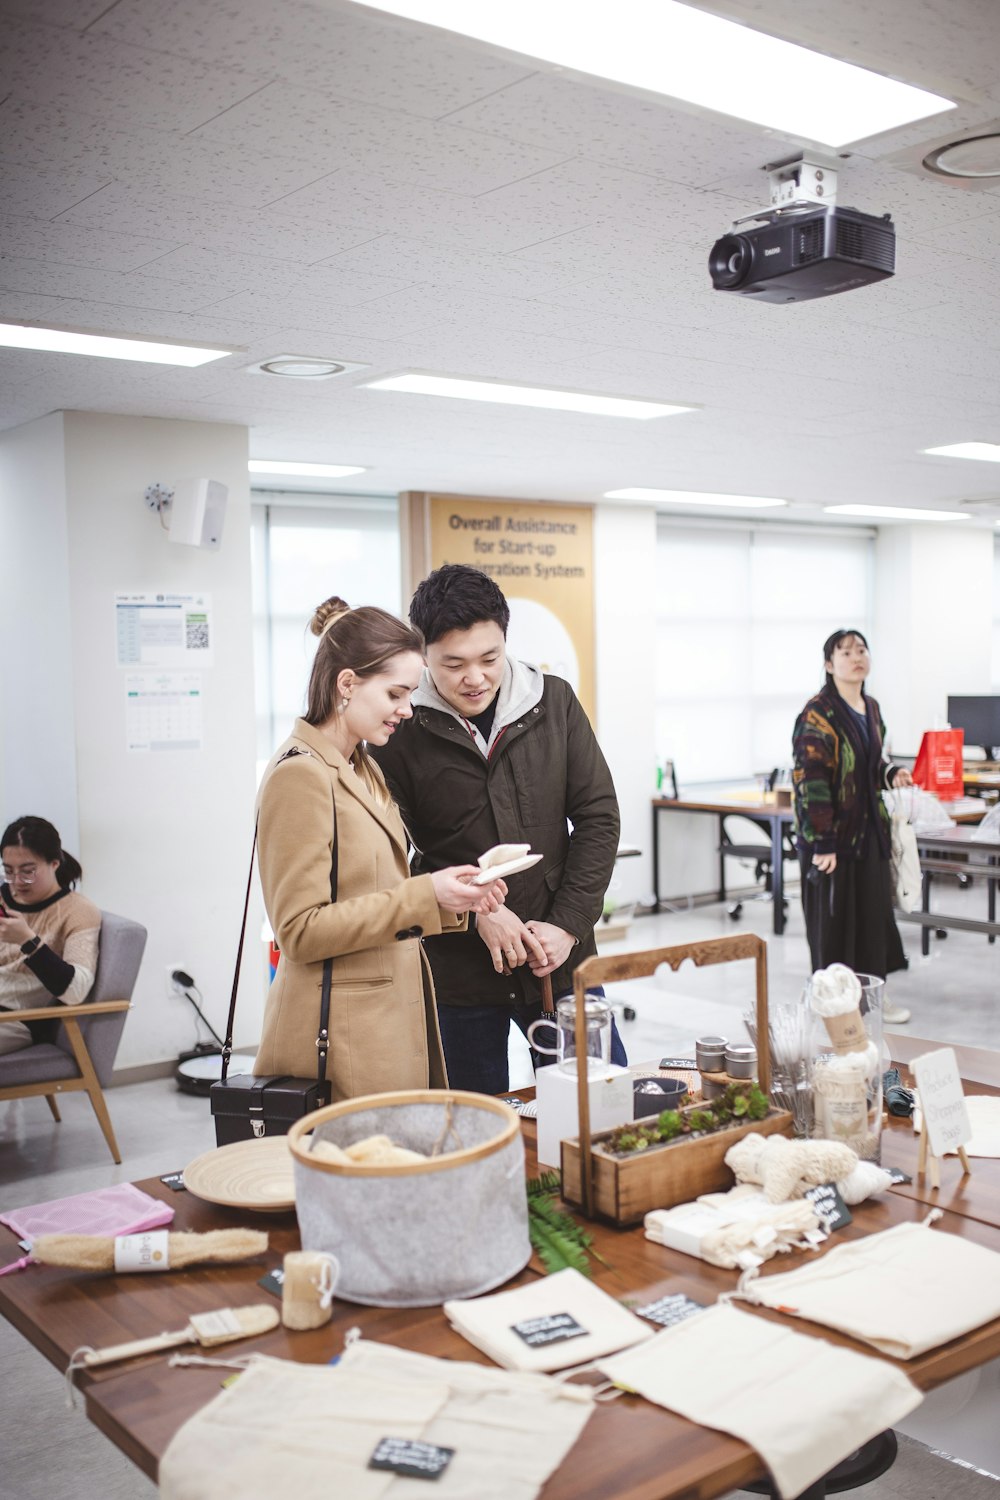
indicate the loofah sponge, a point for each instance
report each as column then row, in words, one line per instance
column 373, row 1151
column 785, row 1168
column 96, row 1252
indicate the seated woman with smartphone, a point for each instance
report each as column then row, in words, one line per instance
column 49, row 933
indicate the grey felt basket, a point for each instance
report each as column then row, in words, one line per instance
column 418, row 1234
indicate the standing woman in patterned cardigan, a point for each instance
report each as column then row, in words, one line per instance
column 843, row 824
column 48, row 932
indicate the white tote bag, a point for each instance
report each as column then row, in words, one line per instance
column 905, row 856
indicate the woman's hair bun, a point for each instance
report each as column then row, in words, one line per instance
column 326, row 613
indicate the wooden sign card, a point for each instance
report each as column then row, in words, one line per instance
column 946, row 1125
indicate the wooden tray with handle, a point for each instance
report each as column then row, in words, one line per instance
column 623, row 1189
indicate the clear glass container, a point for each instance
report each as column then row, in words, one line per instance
column 847, row 1076
column 597, row 1015
column 791, row 1049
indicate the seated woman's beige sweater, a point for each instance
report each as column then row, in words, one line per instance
column 61, row 969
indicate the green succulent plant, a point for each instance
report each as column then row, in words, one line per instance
column 741, row 1101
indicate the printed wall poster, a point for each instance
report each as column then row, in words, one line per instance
column 541, row 555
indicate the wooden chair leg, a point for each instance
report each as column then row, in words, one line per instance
column 50, row 1100
column 93, row 1086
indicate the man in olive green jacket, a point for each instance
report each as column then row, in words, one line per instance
column 496, row 752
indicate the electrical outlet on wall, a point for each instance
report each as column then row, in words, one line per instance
column 173, row 988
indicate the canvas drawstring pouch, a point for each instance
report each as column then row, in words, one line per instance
column 904, row 1290
column 802, row 1403
column 311, row 1430
column 553, row 1323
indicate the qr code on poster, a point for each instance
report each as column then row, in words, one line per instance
column 197, row 632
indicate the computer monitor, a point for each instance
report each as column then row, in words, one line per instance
column 980, row 719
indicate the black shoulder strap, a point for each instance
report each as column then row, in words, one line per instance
column 323, row 1034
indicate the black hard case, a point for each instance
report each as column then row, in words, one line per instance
column 245, row 1107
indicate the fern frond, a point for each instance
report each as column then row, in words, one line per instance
column 556, row 1250
column 545, row 1182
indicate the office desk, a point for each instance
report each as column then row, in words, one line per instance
column 777, row 820
column 954, row 851
column 630, row 1450
column 981, row 781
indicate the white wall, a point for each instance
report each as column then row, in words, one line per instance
column 933, row 624
column 37, row 743
column 625, row 633
column 164, row 836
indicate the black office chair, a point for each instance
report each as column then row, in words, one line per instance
column 760, row 853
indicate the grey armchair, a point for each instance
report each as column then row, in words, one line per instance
column 82, row 1052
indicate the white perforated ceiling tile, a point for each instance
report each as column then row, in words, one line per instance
column 317, row 178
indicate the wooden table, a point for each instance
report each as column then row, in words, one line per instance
column 976, row 1196
column 630, row 1450
column 770, row 815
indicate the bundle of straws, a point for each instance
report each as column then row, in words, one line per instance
column 789, row 1031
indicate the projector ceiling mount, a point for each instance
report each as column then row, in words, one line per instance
column 802, row 245
column 798, row 183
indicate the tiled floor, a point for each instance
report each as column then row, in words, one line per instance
column 51, row 1453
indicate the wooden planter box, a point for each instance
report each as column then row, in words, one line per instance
column 624, row 1188
column 627, row 1187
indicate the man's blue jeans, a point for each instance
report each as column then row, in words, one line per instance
column 475, row 1043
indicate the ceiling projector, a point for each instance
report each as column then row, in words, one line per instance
column 804, row 252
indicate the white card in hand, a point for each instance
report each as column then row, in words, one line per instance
column 512, row 867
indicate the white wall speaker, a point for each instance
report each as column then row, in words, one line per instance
column 197, row 512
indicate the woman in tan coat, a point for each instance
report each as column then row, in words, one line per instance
column 383, row 1022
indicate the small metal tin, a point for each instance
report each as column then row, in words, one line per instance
column 741, row 1060
column 710, row 1054
column 710, row 1089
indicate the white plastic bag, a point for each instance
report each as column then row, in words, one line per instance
column 988, row 831
column 922, row 809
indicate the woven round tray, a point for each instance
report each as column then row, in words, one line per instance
column 256, row 1175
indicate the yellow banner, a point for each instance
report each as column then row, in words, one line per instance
column 542, row 556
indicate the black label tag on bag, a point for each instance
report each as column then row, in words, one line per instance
column 409, row 1456
column 670, row 1310
column 273, row 1282
column 688, row 1063
column 898, row 1175
column 552, row 1329
column 831, row 1210
column 174, row 1181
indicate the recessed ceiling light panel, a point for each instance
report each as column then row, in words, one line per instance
column 896, row 512
column 301, row 471
column 673, row 49
column 415, row 383
column 987, row 452
column 303, row 367
column 106, row 345
column 696, row 497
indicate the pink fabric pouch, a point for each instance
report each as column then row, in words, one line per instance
column 123, row 1209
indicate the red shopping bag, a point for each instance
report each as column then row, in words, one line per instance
column 938, row 767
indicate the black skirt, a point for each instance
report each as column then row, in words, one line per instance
column 849, row 916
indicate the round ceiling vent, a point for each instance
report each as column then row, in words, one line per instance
column 303, row 367
column 976, row 156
